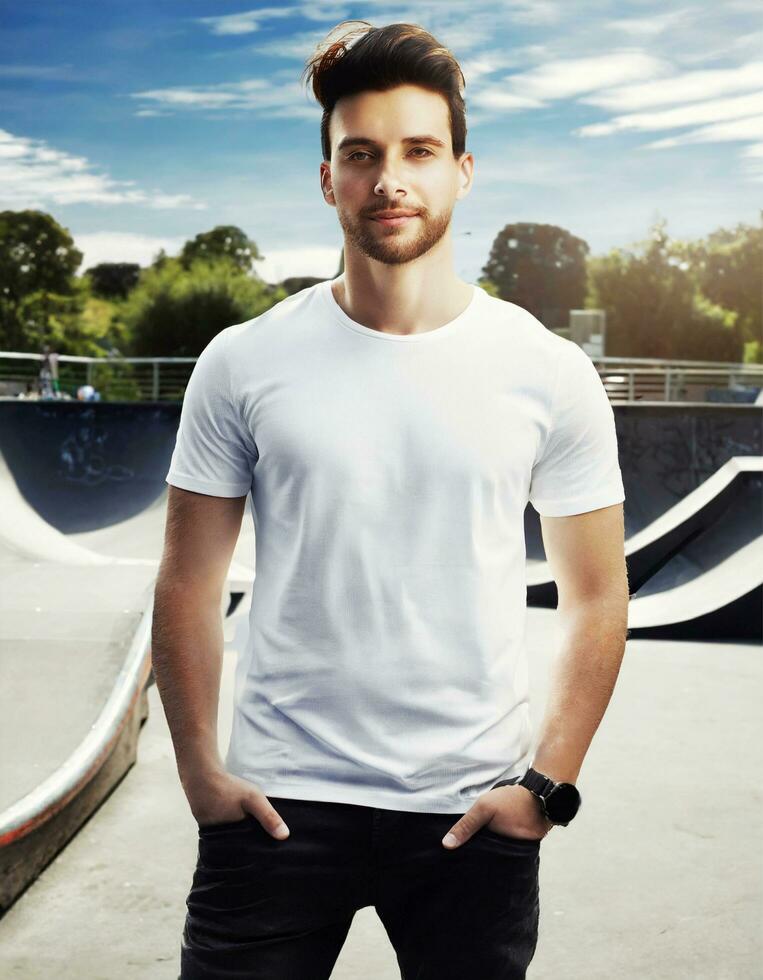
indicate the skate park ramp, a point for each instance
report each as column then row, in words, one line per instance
column 87, row 465
column 82, row 508
column 713, row 535
column 76, row 594
column 711, row 584
column 667, row 450
column 75, row 660
column 677, row 461
column 95, row 481
column 82, row 476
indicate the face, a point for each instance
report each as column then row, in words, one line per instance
column 387, row 172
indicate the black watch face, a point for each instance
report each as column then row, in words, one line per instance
column 562, row 803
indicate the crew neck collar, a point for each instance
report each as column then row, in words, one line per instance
column 425, row 336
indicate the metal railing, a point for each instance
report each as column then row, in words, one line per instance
column 626, row 379
column 634, row 379
column 115, row 378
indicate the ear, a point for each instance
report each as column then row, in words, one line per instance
column 325, row 178
column 466, row 175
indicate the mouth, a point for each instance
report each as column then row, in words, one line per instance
column 394, row 222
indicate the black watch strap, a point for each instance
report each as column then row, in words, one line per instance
column 537, row 783
column 507, row 782
column 542, row 787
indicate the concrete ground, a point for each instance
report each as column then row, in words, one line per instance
column 660, row 875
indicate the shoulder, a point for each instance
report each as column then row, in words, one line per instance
column 286, row 310
column 530, row 340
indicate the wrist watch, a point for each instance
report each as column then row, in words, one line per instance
column 559, row 802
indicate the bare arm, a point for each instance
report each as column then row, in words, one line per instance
column 587, row 559
column 187, row 649
column 187, row 633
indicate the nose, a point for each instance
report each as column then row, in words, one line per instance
column 388, row 183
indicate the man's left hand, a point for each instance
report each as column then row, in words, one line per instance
column 510, row 810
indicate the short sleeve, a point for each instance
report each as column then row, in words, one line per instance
column 214, row 453
column 578, row 468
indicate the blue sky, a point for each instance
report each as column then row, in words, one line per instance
column 137, row 125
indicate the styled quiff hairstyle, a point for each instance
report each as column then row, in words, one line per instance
column 382, row 58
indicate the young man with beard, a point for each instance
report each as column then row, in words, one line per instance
column 391, row 426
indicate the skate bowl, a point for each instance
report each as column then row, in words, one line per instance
column 82, row 511
column 81, row 535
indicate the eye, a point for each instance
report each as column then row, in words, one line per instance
column 363, row 152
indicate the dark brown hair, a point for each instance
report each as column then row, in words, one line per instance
column 382, row 58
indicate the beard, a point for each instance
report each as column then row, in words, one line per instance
column 394, row 246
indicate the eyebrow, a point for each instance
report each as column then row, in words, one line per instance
column 365, row 141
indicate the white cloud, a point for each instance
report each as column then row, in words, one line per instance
column 116, row 246
column 749, row 128
column 528, row 164
column 535, row 12
column 245, row 21
column 493, row 98
column 462, row 31
column 492, row 60
column 752, row 161
column 294, row 47
column 256, row 95
column 33, row 175
column 318, row 261
column 278, row 264
column 566, row 78
column 46, row 72
column 686, row 115
column 651, row 26
column 689, row 87
column 558, row 79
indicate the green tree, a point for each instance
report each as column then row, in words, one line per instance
column 294, row 284
column 224, row 241
column 541, row 268
column 71, row 323
column 727, row 268
column 113, row 279
column 37, row 265
column 653, row 306
column 489, row 286
column 175, row 311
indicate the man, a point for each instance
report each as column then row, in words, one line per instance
column 391, row 426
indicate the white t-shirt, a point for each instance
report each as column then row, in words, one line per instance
column 385, row 663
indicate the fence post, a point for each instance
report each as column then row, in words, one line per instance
column 155, row 392
column 666, row 393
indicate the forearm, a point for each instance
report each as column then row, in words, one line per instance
column 583, row 678
column 186, row 654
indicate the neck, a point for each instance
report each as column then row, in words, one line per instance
column 402, row 299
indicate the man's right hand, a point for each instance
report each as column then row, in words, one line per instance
column 217, row 796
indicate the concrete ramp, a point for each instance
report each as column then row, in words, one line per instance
column 82, row 511
column 725, row 601
column 81, row 536
column 674, row 556
column 75, row 659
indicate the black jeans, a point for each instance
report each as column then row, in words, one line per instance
column 267, row 909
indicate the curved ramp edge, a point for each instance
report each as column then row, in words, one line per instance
column 36, row 827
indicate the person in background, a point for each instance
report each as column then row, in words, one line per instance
column 48, row 377
column 30, row 392
column 87, row 393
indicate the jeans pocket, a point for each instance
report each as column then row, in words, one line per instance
column 530, row 843
column 231, row 846
column 224, row 825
